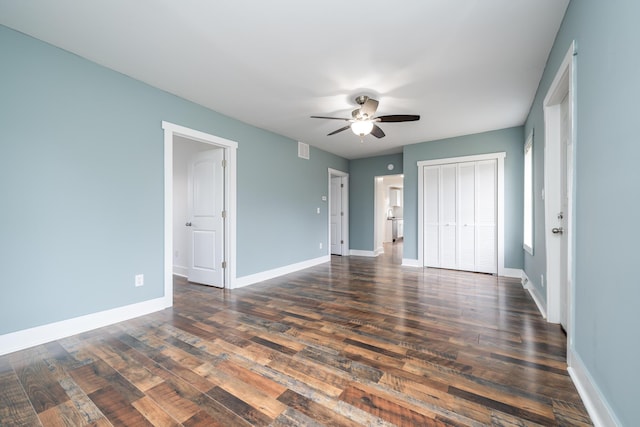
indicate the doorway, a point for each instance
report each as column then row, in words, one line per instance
column 388, row 214
column 199, row 142
column 338, row 212
column 559, row 116
column 198, row 212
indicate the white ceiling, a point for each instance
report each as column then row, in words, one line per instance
column 465, row 66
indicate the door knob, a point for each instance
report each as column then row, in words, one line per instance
column 557, row 230
column 188, row 224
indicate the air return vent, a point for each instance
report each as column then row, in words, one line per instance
column 303, row 150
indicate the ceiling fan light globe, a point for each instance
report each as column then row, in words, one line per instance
column 362, row 127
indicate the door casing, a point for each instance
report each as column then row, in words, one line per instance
column 499, row 157
column 230, row 147
column 563, row 85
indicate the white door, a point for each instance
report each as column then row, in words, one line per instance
column 448, row 216
column 336, row 216
column 486, row 217
column 206, row 223
column 431, row 225
column 460, row 216
column 565, row 153
column 466, row 216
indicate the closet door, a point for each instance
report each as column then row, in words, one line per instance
column 466, row 216
column 486, row 217
column 460, row 216
column 448, row 216
column 431, row 223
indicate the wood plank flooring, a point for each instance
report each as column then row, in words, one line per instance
column 353, row 342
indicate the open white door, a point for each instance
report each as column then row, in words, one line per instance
column 559, row 197
column 206, row 222
column 565, row 159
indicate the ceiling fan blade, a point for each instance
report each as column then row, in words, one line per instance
column 377, row 132
column 398, row 118
column 369, row 107
column 339, row 130
column 330, row 118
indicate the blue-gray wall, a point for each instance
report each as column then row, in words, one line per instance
column 510, row 141
column 81, row 187
column 362, row 173
column 607, row 150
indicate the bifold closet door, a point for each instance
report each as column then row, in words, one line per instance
column 448, row 216
column 432, row 216
column 460, row 221
column 466, row 216
column 486, row 217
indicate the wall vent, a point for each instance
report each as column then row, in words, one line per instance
column 303, row 150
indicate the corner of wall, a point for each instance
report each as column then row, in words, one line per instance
column 594, row 401
column 537, row 298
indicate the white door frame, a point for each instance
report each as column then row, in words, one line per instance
column 230, row 147
column 499, row 157
column 563, row 85
column 333, row 173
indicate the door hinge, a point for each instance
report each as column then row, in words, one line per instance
column 224, row 163
column 341, row 185
column 224, row 264
column 341, row 213
column 224, row 214
column 342, row 242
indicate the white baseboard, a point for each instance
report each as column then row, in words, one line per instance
column 515, row 273
column 379, row 251
column 26, row 338
column 408, row 262
column 358, row 252
column 181, row 271
column 537, row 298
column 280, row 271
column 597, row 406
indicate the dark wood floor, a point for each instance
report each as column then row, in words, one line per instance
column 355, row 342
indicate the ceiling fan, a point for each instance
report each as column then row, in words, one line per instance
column 364, row 123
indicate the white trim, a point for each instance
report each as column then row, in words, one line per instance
column 345, row 208
column 26, row 338
column 535, row 295
column 379, row 251
column 280, row 271
column 230, row 155
column 563, row 85
column 358, row 252
column 528, row 151
column 408, row 262
column 515, row 273
column 499, row 157
column 594, row 401
column 181, row 271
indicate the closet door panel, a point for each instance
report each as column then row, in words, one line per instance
column 466, row 216
column 448, row 216
column 486, row 218
column 431, row 216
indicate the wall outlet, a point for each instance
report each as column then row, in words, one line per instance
column 317, row 210
column 139, row 280
column 542, row 280
column 320, row 245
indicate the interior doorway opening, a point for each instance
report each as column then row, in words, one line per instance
column 388, row 214
column 338, row 213
column 173, row 133
column 559, row 114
